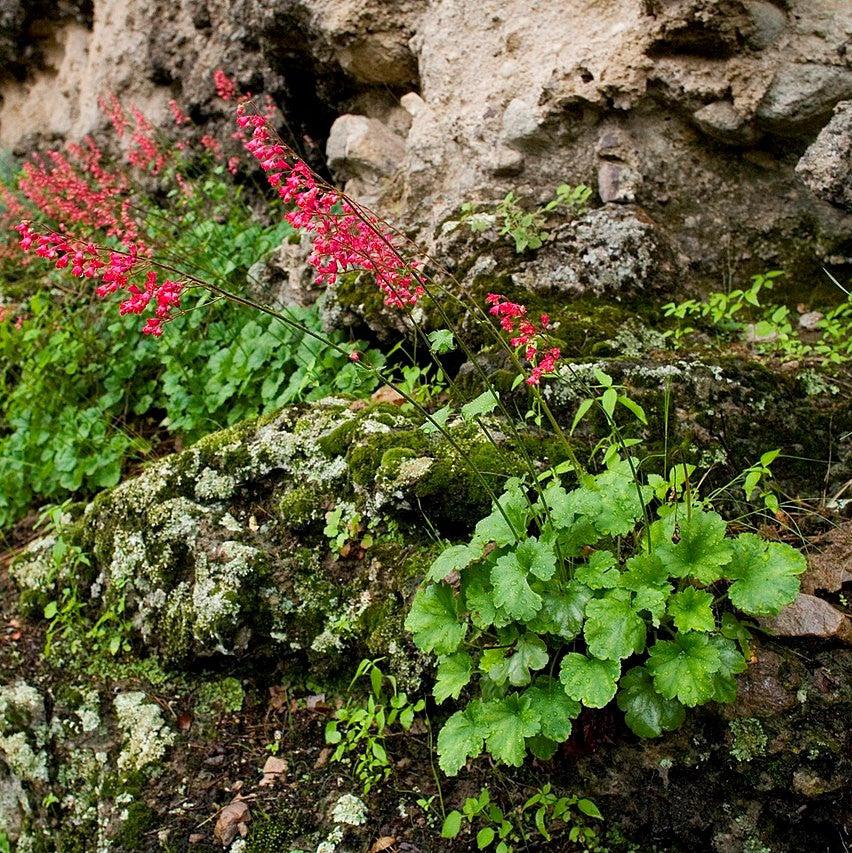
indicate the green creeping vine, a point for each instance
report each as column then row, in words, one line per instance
column 569, row 599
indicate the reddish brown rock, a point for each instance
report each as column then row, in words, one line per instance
column 809, row 616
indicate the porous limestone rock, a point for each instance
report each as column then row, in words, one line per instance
column 363, row 152
column 504, row 92
column 826, row 166
column 617, row 252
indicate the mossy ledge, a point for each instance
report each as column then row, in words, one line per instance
column 256, row 568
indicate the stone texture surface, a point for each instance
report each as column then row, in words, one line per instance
column 810, row 616
column 614, row 251
column 826, row 166
column 725, row 95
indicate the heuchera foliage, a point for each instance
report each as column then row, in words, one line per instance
column 566, row 599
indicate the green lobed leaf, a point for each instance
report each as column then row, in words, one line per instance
column 537, row 557
column 733, row 663
column 613, row 630
column 692, row 610
column 509, row 722
column 461, row 738
column 453, row 674
column 764, row 574
column 653, row 601
column 494, row 527
column 684, row 668
column 479, row 595
column 452, row 559
column 562, row 612
column 434, row 620
column 512, row 591
column 600, row 572
column 620, row 506
column 529, row 652
column 644, row 570
column 542, row 747
column 554, row 708
column 646, row 712
column 589, row 680
column 702, row 550
column 565, row 507
column 484, row 404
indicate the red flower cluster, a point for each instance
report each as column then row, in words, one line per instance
column 525, row 333
column 115, row 270
column 77, row 188
column 344, row 238
column 226, row 88
column 179, row 116
column 211, row 144
column 145, row 152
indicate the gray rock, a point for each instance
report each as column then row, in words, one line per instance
column 506, row 162
column 522, row 125
column 768, row 22
column 285, row 278
column 363, row 147
column 810, row 320
column 616, row 251
column 801, row 94
column 720, row 120
column 826, row 166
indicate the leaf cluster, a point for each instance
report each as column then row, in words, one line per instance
column 570, row 599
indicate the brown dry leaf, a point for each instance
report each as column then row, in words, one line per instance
column 277, row 698
column 273, row 769
column 232, row 819
column 322, row 758
column 383, row 843
column 386, row 394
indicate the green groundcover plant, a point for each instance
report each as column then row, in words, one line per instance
column 624, row 586
column 567, row 599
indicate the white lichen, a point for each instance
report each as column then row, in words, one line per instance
column 24, row 761
column 213, row 485
column 349, row 810
column 146, row 735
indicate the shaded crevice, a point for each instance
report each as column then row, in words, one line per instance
column 27, row 29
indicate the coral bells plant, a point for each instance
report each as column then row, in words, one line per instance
column 345, row 237
column 525, row 335
column 116, row 271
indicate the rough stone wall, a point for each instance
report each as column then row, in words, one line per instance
column 696, row 110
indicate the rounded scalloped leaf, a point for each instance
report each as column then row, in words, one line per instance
column 646, row 712
column 764, row 574
column 685, row 667
column 434, row 620
column 702, row 550
column 613, row 630
column 692, row 610
column 589, row 680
